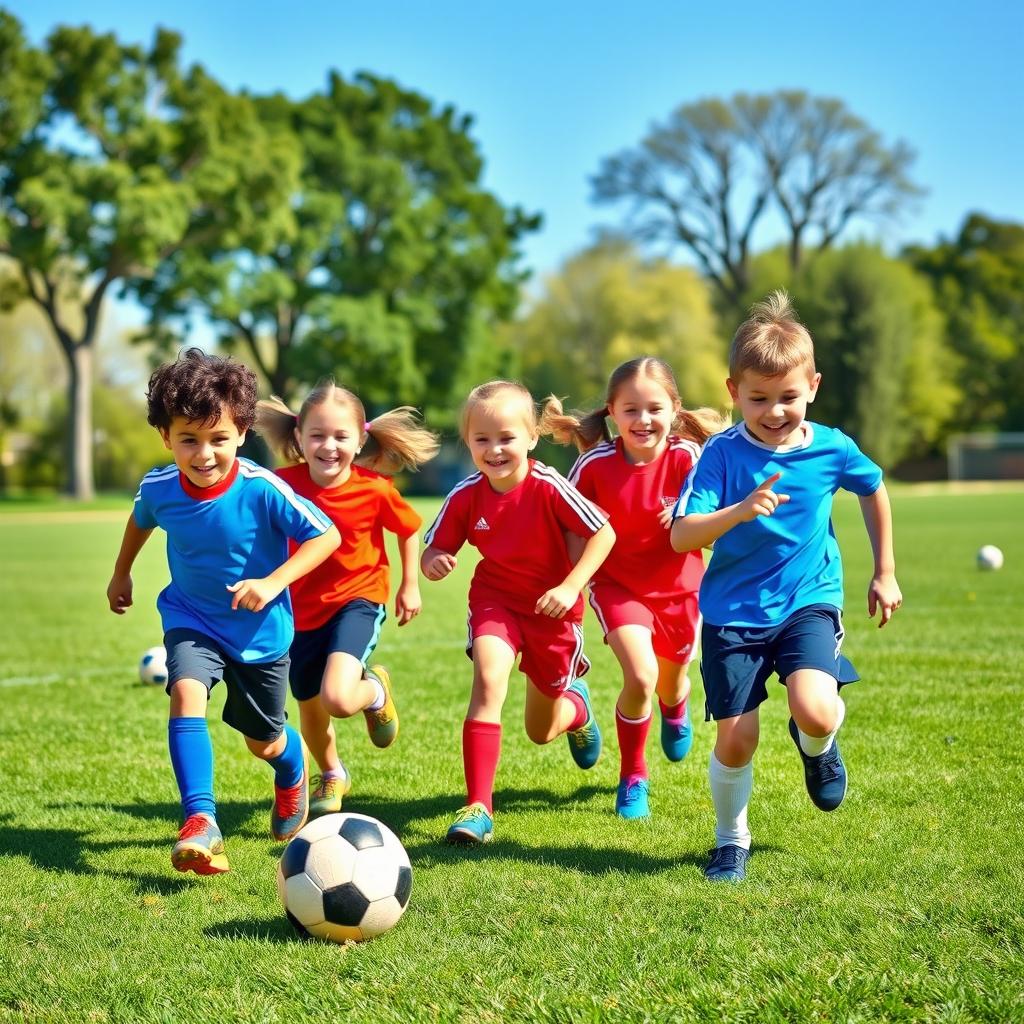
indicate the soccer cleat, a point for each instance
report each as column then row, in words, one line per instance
column 472, row 826
column 825, row 775
column 585, row 742
column 631, row 798
column 727, row 864
column 200, row 847
column 291, row 804
column 677, row 735
column 326, row 794
column 382, row 724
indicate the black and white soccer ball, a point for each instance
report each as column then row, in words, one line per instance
column 153, row 667
column 344, row 877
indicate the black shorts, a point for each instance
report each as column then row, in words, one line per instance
column 256, row 692
column 736, row 661
column 353, row 629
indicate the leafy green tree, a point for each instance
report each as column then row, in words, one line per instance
column 395, row 269
column 706, row 176
column 978, row 282
column 112, row 159
column 607, row 305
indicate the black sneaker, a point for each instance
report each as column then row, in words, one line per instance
column 825, row 774
column 727, row 864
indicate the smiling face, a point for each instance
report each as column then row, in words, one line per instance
column 500, row 440
column 643, row 412
column 774, row 408
column 203, row 450
column 330, row 438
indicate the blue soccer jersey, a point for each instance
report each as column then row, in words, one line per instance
column 219, row 535
column 763, row 571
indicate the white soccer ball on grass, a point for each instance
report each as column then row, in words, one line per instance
column 990, row 558
column 153, row 667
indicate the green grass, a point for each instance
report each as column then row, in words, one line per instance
column 905, row 905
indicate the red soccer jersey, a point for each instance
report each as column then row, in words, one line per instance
column 520, row 534
column 362, row 508
column 642, row 560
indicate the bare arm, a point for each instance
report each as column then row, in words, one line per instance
column 407, row 601
column 883, row 591
column 119, row 589
column 558, row 600
column 255, row 595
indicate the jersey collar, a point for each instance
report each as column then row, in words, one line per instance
column 208, row 493
column 780, row 449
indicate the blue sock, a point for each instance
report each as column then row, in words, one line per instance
column 192, row 760
column 288, row 764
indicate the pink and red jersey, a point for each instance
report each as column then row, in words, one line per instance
column 634, row 496
column 520, row 535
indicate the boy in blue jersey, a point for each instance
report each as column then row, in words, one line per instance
column 226, row 612
column 772, row 595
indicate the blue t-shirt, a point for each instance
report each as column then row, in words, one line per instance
column 763, row 571
column 229, row 532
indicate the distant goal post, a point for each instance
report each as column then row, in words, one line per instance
column 986, row 457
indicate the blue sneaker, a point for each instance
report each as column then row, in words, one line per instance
column 825, row 774
column 472, row 826
column 585, row 742
column 677, row 735
column 631, row 798
column 727, row 864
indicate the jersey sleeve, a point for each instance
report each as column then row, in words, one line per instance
column 451, row 527
column 145, row 519
column 859, row 474
column 705, row 485
column 581, row 478
column 397, row 514
column 574, row 512
column 297, row 518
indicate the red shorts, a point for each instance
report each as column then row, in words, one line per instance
column 674, row 622
column 551, row 649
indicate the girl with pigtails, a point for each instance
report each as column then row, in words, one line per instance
column 342, row 463
column 644, row 594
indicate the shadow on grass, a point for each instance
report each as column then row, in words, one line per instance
column 231, row 814
column 276, row 930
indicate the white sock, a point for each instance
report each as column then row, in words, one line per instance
column 378, row 702
column 730, row 793
column 814, row 746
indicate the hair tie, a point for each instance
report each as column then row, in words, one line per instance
column 366, row 426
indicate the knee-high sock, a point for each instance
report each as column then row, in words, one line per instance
column 289, row 763
column 192, row 761
column 632, row 733
column 481, row 748
column 730, row 793
column 813, row 746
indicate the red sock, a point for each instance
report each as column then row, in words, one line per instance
column 632, row 742
column 481, row 748
column 673, row 712
column 581, row 710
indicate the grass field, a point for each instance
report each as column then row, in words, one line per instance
column 905, row 905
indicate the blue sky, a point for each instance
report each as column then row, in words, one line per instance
column 556, row 86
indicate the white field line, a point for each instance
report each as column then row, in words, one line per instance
column 57, row 677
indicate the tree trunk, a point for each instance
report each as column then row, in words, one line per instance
column 79, row 441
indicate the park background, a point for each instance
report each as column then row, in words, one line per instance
column 415, row 199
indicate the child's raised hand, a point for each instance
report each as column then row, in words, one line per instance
column 439, row 566
column 407, row 603
column 254, row 595
column 884, row 593
column 119, row 594
column 557, row 601
column 762, row 501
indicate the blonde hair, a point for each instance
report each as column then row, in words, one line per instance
column 490, row 394
column 588, row 429
column 394, row 441
column 771, row 341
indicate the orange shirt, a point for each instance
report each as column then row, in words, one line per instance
column 362, row 508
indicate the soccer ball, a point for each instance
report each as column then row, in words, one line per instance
column 344, row 877
column 990, row 558
column 153, row 667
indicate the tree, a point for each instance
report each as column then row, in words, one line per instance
column 395, row 270
column 706, row 177
column 607, row 305
column 978, row 282
column 111, row 160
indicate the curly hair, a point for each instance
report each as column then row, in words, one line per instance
column 202, row 388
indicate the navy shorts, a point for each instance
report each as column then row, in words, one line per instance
column 256, row 692
column 736, row 661
column 353, row 629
